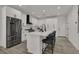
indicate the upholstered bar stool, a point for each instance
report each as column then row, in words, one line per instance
column 49, row 42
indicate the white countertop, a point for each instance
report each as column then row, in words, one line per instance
column 40, row 33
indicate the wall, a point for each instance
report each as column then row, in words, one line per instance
column 51, row 24
column 23, row 17
column 34, row 20
column 0, row 23
column 73, row 27
column 62, row 26
column 3, row 40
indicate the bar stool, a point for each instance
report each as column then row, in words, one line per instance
column 49, row 41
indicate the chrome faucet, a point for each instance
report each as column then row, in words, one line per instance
column 44, row 27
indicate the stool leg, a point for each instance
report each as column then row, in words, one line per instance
column 52, row 46
column 52, row 49
column 54, row 41
column 42, row 48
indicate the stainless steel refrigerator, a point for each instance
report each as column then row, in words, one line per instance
column 13, row 31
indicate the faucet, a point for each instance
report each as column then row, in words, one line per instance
column 44, row 27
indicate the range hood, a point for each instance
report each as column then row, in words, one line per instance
column 28, row 19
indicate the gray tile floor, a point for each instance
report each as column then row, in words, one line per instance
column 63, row 46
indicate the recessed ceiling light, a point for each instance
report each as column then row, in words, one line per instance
column 58, row 7
column 44, row 10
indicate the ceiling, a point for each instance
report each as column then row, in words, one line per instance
column 41, row 11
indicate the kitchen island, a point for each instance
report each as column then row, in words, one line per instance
column 34, row 41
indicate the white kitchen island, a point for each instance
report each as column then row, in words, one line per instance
column 34, row 41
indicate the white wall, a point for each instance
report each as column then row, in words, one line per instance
column 73, row 27
column 23, row 17
column 3, row 40
column 0, row 23
column 62, row 26
column 51, row 24
column 34, row 20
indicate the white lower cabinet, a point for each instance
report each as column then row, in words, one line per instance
column 34, row 44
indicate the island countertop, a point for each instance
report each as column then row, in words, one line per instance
column 39, row 33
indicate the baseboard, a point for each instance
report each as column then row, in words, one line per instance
column 1, row 47
column 75, row 46
column 62, row 36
